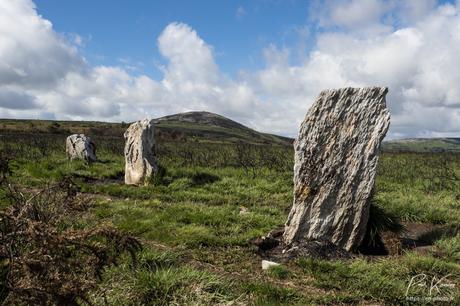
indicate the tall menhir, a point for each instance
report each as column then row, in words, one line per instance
column 336, row 155
column 140, row 159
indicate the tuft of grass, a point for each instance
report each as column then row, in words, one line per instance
column 267, row 294
column 279, row 272
column 163, row 285
column 153, row 260
column 450, row 247
column 160, row 177
column 381, row 221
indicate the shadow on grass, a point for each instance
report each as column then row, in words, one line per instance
column 437, row 233
column 203, row 178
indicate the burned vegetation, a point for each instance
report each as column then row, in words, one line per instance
column 47, row 257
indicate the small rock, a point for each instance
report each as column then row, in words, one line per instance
column 266, row 264
column 80, row 146
column 244, row 210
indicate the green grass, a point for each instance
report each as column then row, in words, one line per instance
column 384, row 280
column 196, row 239
column 416, row 206
column 188, row 223
column 160, row 280
column 279, row 272
column 450, row 246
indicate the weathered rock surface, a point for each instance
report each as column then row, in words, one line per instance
column 79, row 146
column 140, row 159
column 336, row 155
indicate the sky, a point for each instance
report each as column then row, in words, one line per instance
column 260, row 62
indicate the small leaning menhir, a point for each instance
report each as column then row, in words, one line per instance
column 336, row 155
column 140, row 159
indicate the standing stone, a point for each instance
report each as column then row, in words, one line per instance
column 140, row 160
column 79, row 146
column 336, row 155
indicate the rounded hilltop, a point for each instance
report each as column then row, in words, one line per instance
column 210, row 127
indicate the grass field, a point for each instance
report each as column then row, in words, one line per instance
column 197, row 219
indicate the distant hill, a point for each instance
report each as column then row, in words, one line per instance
column 210, row 127
column 423, row 145
column 186, row 127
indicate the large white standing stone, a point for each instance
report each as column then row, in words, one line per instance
column 140, row 159
column 336, row 155
column 79, row 146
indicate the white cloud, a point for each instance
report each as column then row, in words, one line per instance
column 418, row 63
column 410, row 46
column 190, row 58
column 369, row 16
column 360, row 15
column 357, row 13
column 410, row 11
column 31, row 53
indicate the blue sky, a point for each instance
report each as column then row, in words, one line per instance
column 238, row 30
column 260, row 62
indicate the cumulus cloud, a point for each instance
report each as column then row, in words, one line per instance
column 31, row 53
column 417, row 61
column 192, row 79
column 16, row 100
column 410, row 46
column 190, row 58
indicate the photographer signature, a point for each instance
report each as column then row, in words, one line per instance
column 437, row 288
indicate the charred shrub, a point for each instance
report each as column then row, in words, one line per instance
column 5, row 169
column 45, row 257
